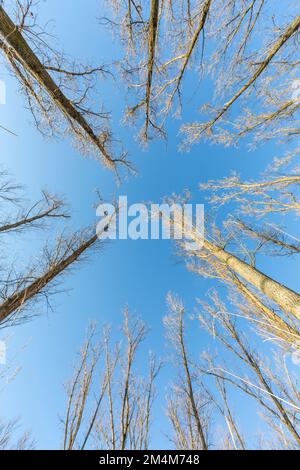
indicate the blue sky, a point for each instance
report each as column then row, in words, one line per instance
column 136, row 273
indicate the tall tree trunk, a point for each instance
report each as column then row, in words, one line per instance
column 289, row 32
column 22, row 52
column 191, row 48
column 190, row 390
column 19, row 299
column 268, row 237
column 286, row 298
column 153, row 25
column 253, row 363
column 30, row 221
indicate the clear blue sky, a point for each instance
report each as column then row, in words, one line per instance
column 137, row 273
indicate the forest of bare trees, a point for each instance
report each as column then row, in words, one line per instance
column 249, row 321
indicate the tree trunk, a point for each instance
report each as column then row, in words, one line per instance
column 17, row 300
column 289, row 32
column 286, row 298
column 22, row 52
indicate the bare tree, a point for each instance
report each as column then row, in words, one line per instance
column 119, row 417
column 161, row 39
column 284, row 107
column 11, row 439
column 141, row 64
column 187, row 406
column 20, row 290
column 7, row 130
column 17, row 294
column 12, row 433
column 212, row 252
column 197, row 24
column 46, row 80
column 275, row 391
column 35, row 216
column 267, row 378
column 193, row 407
column 259, row 198
column 272, row 238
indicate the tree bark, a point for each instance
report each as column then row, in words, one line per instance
column 153, row 25
column 22, row 52
column 286, row 298
column 190, row 388
column 17, row 300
